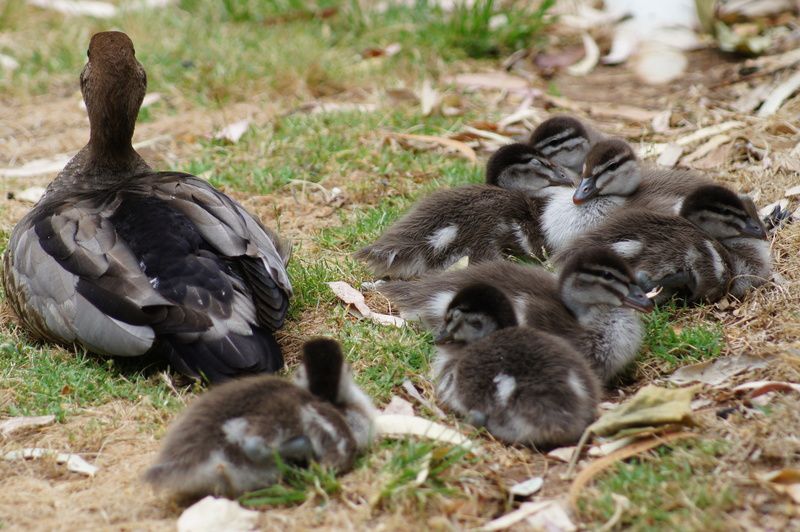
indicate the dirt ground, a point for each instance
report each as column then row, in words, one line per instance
column 121, row 438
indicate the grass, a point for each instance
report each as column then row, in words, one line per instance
column 206, row 56
column 682, row 480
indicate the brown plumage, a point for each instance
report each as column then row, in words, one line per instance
column 524, row 385
column 483, row 222
column 592, row 304
column 565, row 140
column 125, row 261
column 226, row 441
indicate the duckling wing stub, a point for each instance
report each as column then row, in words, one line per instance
column 231, row 231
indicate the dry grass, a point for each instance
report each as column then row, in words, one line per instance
column 121, row 436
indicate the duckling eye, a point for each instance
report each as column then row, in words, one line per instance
column 474, row 322
column 607, row 276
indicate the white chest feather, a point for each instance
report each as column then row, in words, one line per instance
column 562, row 220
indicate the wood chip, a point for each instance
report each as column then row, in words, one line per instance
column 562, row 454
column 353, row 297
column 526, row 488
column 394, row 425
column 778, row 95
column 7, row 426
column 212, row 513
column 707, row 147
column 73, row 462
column 590, row 59
column 660, row 122
column 709, row 131
column 670, row 156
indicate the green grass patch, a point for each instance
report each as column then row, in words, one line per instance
column 675, row 489
column 295, row 486
column 675, row 346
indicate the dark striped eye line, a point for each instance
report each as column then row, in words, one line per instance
column 605, row 274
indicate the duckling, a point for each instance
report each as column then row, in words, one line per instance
column 226, row 441
column 612, row 177
column 734, row 221
column 484, row 222
column 592, row 303
column 524, row 385
column 127, row 261
column 566, row 141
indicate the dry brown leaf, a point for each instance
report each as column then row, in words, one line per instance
column 596, row 467
column 785, row 481
column 670, row 156
column 715, row 372
column 549, row 63
column 605, row 110
column 562, row 454
column 353, row 297
column 757, row 388
column 650, row 407
column 704, row 149
column 590, row 58
column 526, row 488
column 388, row 51
column 456, row 145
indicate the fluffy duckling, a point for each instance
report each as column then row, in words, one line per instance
column 612, row 177
column 484, row 222
column 566, row 141
column 226, row 441
column 592, row 304
column 738, row 227
column 525, row 386
column 686, row 254
column 127, row 261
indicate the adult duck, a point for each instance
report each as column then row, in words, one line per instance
column 127, row 261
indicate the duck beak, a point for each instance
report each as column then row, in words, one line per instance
column 587, row 189
column 637, row 299
column 444, row 337
column 754, row 229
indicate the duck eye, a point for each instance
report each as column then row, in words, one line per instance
column 474, row 322
column 607, row 276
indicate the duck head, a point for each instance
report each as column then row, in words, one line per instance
column 562, row 139
column 113, row 84
column 476, row 311
column 520, row 167
column 597, row 276
column 611, row 168
column 722, row 213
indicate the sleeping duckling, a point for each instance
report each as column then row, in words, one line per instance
column 226, row 441
column 592, row 304
column 565, row 141
column 686, row 254
column 127, row 261
column 484, row 222
column 524, row 385
column 612, row 177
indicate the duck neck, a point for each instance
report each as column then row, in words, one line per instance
column 110, row 144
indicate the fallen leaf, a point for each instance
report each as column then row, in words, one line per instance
column 604, row 449
column 394, row 425
column 398, row 405
column 456, row 145
column 353, row 297
column 563, row 454
column 785, row 481
column 715, row 372
column 339, row 107
column 429, row 98
column 670, row 156
column 526, row 488
column 7, row 426
column 411, row 390
column 29, row 195
column 387, row 51
column 709, row 131
column 549, row 63
column 490, row 80
column 212, row 513
column 590, row 58
column 605, row 110
column 596, row 467
column 554, row 518
column 757, row 388
column 8, row 63
column 73, row 462
column 233, row 132
column 651, row 406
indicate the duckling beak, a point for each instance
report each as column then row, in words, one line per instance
column 754, row 229
column 587, row 189
column 637, row 299
column 444, row 337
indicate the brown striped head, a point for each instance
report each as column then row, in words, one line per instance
column 519, row 167
column 597, row 276
column 562, row 139
column 722, row 213
column 611, row 169
column 476, row 311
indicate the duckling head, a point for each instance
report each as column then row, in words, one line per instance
column 597, row 276
column 476, row 311
column 562, row 139
column 113, row 84
column 519, row 167
column 722, row 213
column 611, row 168
column 326, row 375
